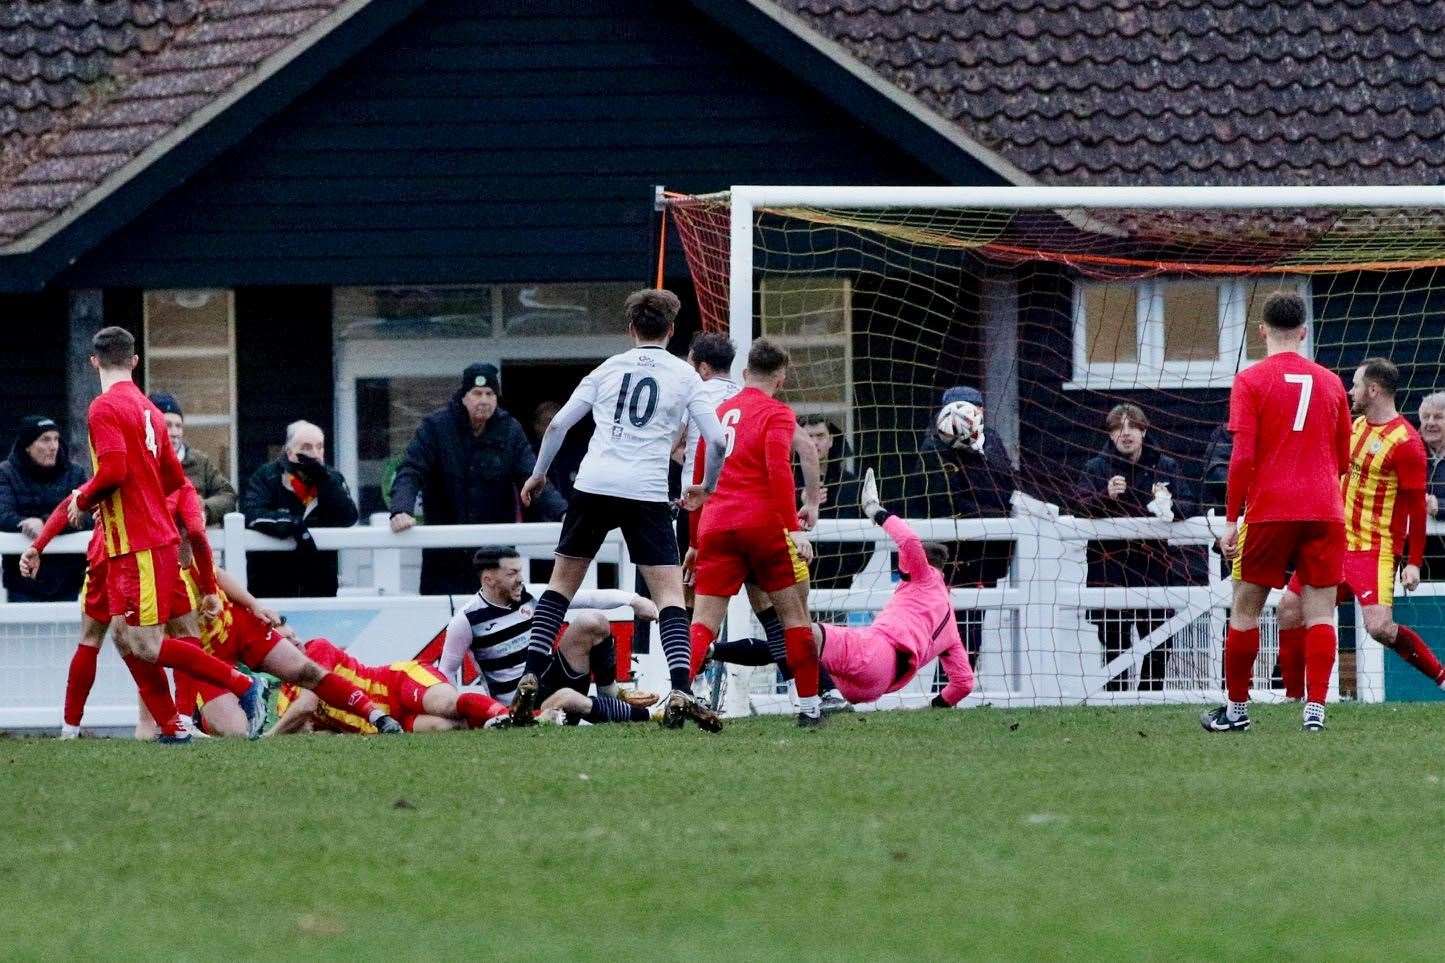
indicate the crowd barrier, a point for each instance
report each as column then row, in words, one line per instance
column 1037, row 628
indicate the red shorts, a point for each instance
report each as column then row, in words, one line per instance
column 93, row 601
column 145, row 587
column 247, row 640
column 1368, row 576
column 406, row 683
column 766, row 557
column 1268, row 550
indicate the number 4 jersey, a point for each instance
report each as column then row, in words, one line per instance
column 134, row 515
column 640, row 400
column 1290, row 419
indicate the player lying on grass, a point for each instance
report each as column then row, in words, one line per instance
column 418, row 695
column 245, row 632
column 1384, row 495
column 917, row 625
column 495, row 625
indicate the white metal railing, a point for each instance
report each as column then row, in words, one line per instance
column 1038, row 644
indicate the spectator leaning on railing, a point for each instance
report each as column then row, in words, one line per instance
column 1432, row 432
column 210, row 482
column 468, row 462
column 285, row 499
column 33, row 480
column 1131, row 479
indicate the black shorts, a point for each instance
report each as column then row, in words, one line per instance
column 646, row 528
column 558, row 675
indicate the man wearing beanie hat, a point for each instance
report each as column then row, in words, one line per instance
column 217, row 495
column 33, row 480
column 467, row 462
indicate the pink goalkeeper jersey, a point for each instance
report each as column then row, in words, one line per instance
column 919, row 619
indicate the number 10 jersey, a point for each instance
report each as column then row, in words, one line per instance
column 640, row 401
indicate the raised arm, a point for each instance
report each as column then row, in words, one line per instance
column 715, row 446
column 812, row 472
column 912, row 561
column 572, row 412
column 778, row 457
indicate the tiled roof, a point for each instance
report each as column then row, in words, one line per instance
column 87, row 85
column 1169, row 91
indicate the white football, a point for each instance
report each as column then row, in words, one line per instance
column 958, row 424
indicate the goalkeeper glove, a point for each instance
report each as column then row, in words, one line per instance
column 868, row 497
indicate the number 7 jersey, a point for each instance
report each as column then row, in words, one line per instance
column 640, row 401
column 1291, row 424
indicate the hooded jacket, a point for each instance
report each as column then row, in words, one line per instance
column 29, row 491
column 1135, row 562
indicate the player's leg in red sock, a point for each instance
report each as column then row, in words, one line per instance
column 1413, row 650
column 155, row 692
column 188, row 656
column 78, row 682
column 1319, row 661
column 1241, row 648
column 335, row 691
column 1292, row 661
column 802, row 659
column 700, row 637
column 477, row 708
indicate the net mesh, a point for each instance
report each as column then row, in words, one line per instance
column 1056, row 317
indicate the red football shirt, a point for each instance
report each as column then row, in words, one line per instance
column 756, row 486
column 134, row 515
column 1291, row 423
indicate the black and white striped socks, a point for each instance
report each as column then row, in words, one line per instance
column 546, row 623
column 674, row 627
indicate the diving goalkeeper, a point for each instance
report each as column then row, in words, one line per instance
column 915, row 627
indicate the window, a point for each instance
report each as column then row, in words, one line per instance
column 812, row 318
column 1165, row 333
column 190, row 352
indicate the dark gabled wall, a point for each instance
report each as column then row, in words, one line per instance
column 32, row 361
column 486, row 140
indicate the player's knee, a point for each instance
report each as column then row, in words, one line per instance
column 1382, row 630
column 593, row 625
column 310, row 675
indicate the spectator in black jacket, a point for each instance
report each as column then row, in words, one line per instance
column 1215, row 486
column 467, row 461
column 1432, row 432
column 33, row 480
column 1130, row 479
column 285, row 499
column 836, row 563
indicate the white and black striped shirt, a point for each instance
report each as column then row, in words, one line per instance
column 497, row 636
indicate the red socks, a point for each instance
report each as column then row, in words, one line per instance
column 802, row 659
column 78, row 683
column 155, row 692
column 477, row 708
column 1292, row 661
column 1241, row 646
column 336, row 691
column 1319, row 661
column 188, row 656
column 1408, row 645
column 701, row 638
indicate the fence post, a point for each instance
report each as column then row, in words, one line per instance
column 385, row 562
column 233, row 541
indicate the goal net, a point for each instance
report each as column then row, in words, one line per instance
column 1065, row 313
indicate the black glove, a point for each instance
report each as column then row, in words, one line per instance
column 308, row 469
column 276, row 524
column 938, row 703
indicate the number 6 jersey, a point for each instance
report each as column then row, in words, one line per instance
column 1291, row 423
column 640, row 400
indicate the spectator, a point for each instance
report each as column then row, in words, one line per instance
column 569, row 458
column 284, row 499
column 1215, row 484
column 836, row 563
column 945, row 482
column 214, row 487
column 468, row 462
column 1432, row 432
column 33, row 480
column 1130, row 479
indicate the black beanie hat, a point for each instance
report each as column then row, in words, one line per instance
column 480, row 374
column 31, row 428
column 166, row 402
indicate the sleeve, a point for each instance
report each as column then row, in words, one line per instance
column 9, row 511
column 1410, row 469
column 960, row 674
column 911, row 559
column 54, row 525
column 778, row 457
column 334, row 498
column 1244, row 426
column 219, row 496
column 459, row 639
column 173, row 476
column 1093, row 486
column 603, row 599
column 415, row 466
column 258, row 498
column 111, row 471
column 205, row 561
column 572, row 412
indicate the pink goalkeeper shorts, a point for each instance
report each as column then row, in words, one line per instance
column 863, row 665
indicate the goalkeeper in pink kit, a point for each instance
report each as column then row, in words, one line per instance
column 915, row 627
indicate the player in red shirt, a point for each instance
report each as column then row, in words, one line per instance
column 418, row 695
column 135, row 469
column 1384, row 511
column 1291, row 424
column 749, row 530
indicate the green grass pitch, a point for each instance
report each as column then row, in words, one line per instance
column 982, row 834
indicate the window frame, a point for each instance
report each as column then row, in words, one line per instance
column 1152, row 371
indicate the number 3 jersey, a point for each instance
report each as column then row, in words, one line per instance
column 134, row 516
column 640, row 400
column 1290, row 419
